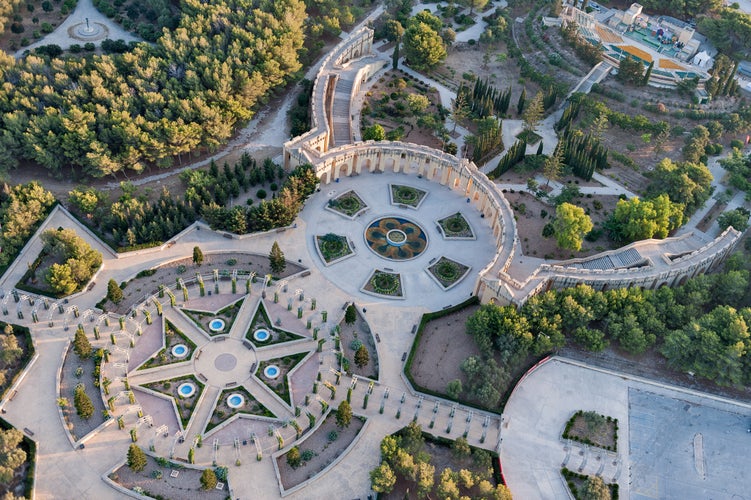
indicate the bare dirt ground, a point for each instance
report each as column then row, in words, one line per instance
column 443, row 344
column 166, row 274
column 186, row 485
column 326, row 451
column 78, row 426
column 394, row 83
column 361, row 331
column 603, row 434
column 529, row 210
column 10, row 41
column 500, row 71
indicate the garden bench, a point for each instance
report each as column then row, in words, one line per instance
column 28, row 431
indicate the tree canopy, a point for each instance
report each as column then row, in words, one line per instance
column 571, row 224
column 343, row 414
column 136, row 458
column 107, row 113
column 685, row 182
column 423, row 46
column 11, row 455
column 75, row 261
column 695, row 326
column 635, row 219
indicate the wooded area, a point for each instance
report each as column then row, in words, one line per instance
column 103, row 114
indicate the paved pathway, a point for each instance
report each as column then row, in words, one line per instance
column 66, row 34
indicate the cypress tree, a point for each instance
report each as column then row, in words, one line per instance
column 520, row 103
column 645, row 80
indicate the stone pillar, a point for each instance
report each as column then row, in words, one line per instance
column 356, row 164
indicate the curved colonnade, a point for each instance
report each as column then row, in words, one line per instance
column 665, row 262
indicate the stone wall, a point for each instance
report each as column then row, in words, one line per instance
column 493, row 282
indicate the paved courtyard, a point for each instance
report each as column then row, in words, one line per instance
column 420, row 289
column 672, row 443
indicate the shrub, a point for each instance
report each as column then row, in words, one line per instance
column 261, row 194
column 293, row 457
column 208, row 479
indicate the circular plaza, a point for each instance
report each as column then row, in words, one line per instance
column 393, row 238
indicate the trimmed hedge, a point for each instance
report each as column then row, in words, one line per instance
column 579, row 413
column 568, row 475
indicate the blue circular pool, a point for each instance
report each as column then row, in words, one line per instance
column 216, row 325
column 180, row 351
column 261, row 335
column 271, row 371
column 235, row 400
column 186, row 389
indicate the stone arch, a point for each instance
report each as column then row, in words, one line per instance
column 682, row 280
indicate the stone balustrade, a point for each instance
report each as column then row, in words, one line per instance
column 654, row 269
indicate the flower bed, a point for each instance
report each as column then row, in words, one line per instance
column 223, row 411
column 185, row 405
column 333, row 247
column 577, row 484
column 319, row 450
column 456, row 226
column 384, row 283
column 279, row 384
column 172, row 337
column 406, row 195
column 203, row 318
column 156, row 481
column 349, row 204
column 448, row 272
column 277, row 335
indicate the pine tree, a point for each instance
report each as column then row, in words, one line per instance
column 350, row 315
column 82, row 402
column 81, row 345
column 553, row 165
column 362, row 357
column 114, row 292
column 343, row 414
column 136, row 458
column 276, row 259
column 208, row 479
column 197, row 256
column 533, row 114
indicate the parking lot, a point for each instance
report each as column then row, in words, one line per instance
column 681, row 447
column 673, row 443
